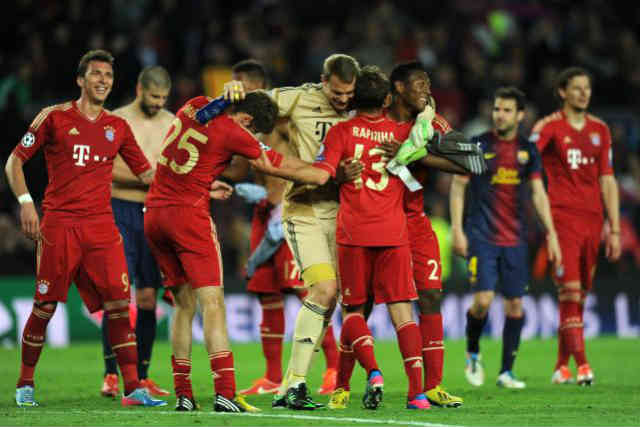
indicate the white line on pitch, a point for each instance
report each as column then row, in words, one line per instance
column 258, row 415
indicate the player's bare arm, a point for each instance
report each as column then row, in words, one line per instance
column 293, row 169
column 445, row 165
column 123, row 176
column 541, row 204
column 29, row 220
column 146, row 177
column 456, row 205
column 611, row 198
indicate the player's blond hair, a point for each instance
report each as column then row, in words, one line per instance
column 345, row 67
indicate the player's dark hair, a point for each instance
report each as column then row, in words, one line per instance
column 154, row 75
column 93, row 55
column 564, row 77
column 402, row 73
column 372, row 88
column 511, row 92
column 252, row 68
column 345, row 67
column 261, row 107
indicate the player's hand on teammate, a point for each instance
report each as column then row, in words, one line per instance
column 390, row 148
column 30, row 221
column 220, row 190
column 234, row 91
column 349, row 170
column 460, row 242
column 553, row 250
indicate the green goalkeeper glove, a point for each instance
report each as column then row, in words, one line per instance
column 414, row 147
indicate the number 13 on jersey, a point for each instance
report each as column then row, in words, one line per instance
column 375, row 166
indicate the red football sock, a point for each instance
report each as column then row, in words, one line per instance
column 571, row 330
column 123, row 343
column 409, row 341
column 357, row 334
column 33, row 337
column 330, row 349
column 346, row 363
column 580, row 354
column 224, row 379
column 182, row 377
column 272, row 334
column 432, row 349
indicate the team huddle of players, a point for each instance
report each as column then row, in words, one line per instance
column 354, row 231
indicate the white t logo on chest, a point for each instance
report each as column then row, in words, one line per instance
column 81, row 154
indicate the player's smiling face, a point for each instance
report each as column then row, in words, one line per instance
column 97, row 81
column 577, row 93
column 338, row 92
column 417, row 91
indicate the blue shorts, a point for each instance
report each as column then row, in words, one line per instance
column 491, row 266
column 143, row 269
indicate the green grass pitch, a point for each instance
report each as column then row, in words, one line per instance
column 68, row 382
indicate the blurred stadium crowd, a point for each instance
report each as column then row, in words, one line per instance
column 470, row 47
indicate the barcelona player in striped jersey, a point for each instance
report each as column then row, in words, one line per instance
column 493, row 239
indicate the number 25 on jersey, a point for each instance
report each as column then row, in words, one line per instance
column 188, row 142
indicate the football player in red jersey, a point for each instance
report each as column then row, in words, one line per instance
column 411, row 90
column 578, row 162
column 78, row 239
column 177, row 216
column 374, row 256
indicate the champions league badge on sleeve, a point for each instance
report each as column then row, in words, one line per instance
column 28, row 140
column 109, row 133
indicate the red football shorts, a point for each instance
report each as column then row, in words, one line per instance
column 425, row 253
column 382, row 272
column 91, row 254
column 278, row 273
column 184, row 242
column 579, row 238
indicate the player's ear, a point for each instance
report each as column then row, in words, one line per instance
column 246, row 120
column 399, row 86
column 139, row 90
column 80, row 81
column 520, row 115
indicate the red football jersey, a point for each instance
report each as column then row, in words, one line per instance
column 79, row 155
column 414, row 200
column 194, row 155
column 574, row 160
column 371, row 212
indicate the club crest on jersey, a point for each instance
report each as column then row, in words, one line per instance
column 523, row 157
column 109, row 133
column 43, row 286
column 28, row 140
column 595, row 139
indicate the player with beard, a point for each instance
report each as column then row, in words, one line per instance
column 149, row 122
column 494, row 237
